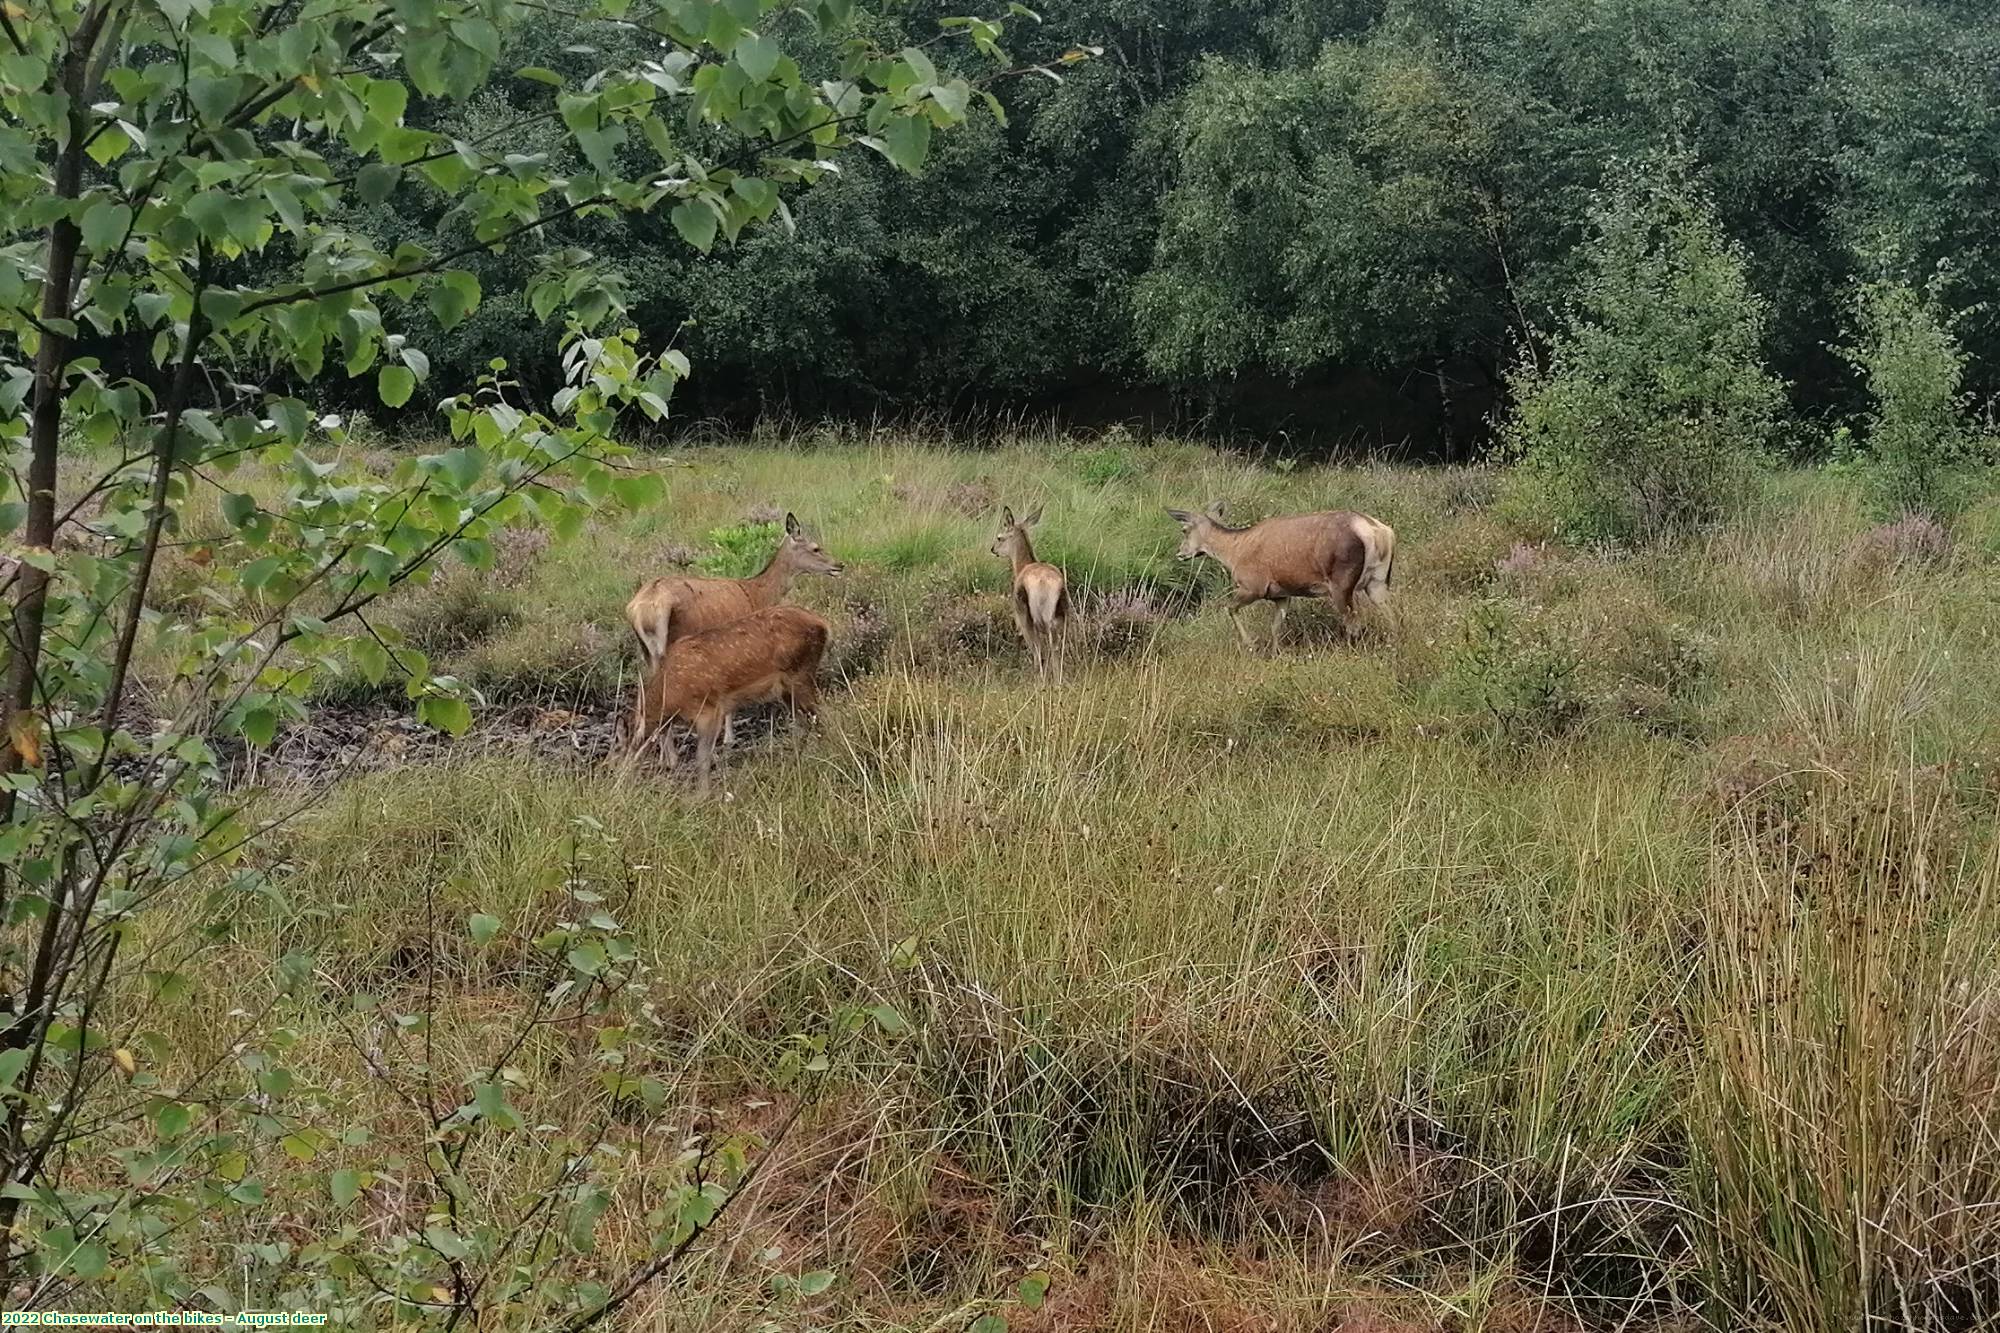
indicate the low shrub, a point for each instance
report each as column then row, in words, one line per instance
column 1519, row 680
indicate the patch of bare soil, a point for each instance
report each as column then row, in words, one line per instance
column 346, row 740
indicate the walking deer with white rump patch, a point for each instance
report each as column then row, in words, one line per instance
column 1041, row 593
column 702, row 679
column 1334, row 555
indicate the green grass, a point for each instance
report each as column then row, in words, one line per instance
column 1269, row 992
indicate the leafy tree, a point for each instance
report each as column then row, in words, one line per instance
column 188, row 187
column 1654, row 409
column 1350, row 213
column 1923, row 453
column 1918, row 149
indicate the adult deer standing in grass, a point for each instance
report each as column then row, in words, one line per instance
column 1041, row 593
column 666, row 609
column 703, row 679
column 1332, row 555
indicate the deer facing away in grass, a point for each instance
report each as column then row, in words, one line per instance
column 770, row 655
column 1041, row 594
column 1334, row 555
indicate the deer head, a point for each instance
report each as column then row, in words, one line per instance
column 1196, row 530
column 800, row 553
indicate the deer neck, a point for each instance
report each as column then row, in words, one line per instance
column 1222, row 543
column 768, row 586
column 1023, row 553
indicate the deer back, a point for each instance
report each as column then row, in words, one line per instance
column 1295, row 553
column 736, row 663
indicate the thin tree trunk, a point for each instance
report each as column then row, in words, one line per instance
column 25, row 1025
column 164, row 448
column 45, row 426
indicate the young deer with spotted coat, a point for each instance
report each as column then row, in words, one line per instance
column 1041, row 594
column 771, row 655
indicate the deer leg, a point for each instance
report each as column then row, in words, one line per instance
column 1278, row 627
column 1341, row 596
column 802, row 696
column 729, row 731
column 1236, row 617
column 706, row 728
column 1024, row 622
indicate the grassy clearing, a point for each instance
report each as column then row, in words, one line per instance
column 1594, row 939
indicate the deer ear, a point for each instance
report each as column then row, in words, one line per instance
column 1034, row 517
column 1214, row 510
column 792, row 528
column 1181, row 516
column 1007, row 515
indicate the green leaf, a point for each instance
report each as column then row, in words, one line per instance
column 238, row 508
column 11, row 1063
column 260, row 726
column 172, row 1120
column 108, row 146
column 377, row 182
column 395, row 385
column 758, row 55
column 952, row 97
column 452, row 297
column 640, row 490
column 584, row 1217
column 292, row 418
column 695, row 221
column 926, row 72
column 812, row 1284
column 1033, row 1289
column 345, row 1186
column 481, row 35
column 214, row 98
column 991, row 1323
column 284, row 202
column 539, row 75
column 105, row 225
column 445, row 713
column 908, row 142
column 483, row 927
column 259, row 572
column 221, row 307
column 491, row 1100
column 89, row 1261
column 370, row 658
column 463, row 465
column 387, row 101
column 757, row 192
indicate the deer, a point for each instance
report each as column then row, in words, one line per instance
column 1333, row 554
column 703, row 679
column 1041, row 594
column 665, row 609
column 662, row 610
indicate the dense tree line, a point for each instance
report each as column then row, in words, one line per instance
column 1334, row 218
